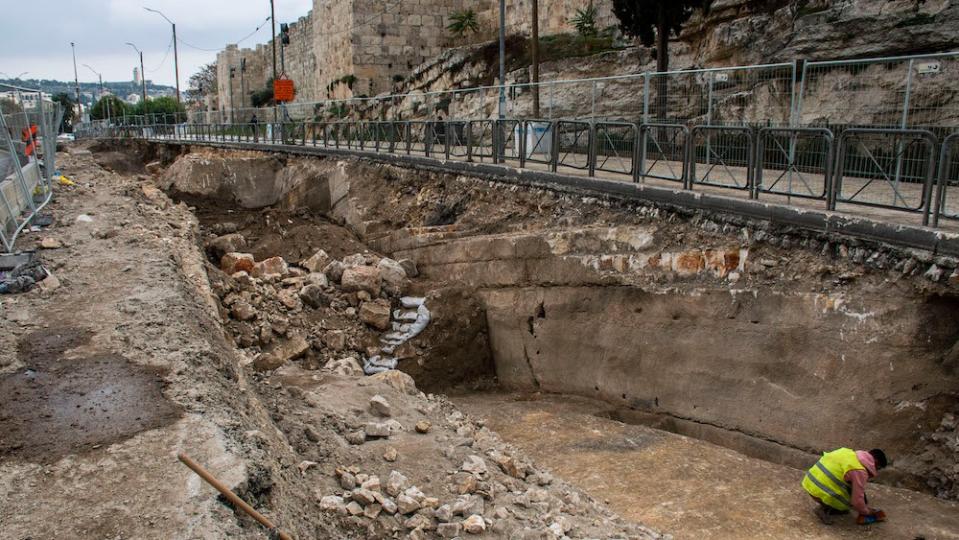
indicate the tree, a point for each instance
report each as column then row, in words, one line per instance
column 202, row 83
column 264, row 96
column 108, row 107
column 69, row 113
column 162, row 110
column 463, row 22
column 584, row 21
column 652, row 21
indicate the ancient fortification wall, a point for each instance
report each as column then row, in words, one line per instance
column 345, row 48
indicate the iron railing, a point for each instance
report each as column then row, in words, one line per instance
column 896, row 170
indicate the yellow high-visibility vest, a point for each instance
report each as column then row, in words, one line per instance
column 826, row 479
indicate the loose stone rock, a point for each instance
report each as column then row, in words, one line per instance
column 475, row 465
column 391, row 454
column 347, row 480
column 314, row 296
column 423, row 426
column 407, row 505
column 347, row 366
column 317, row 262
column 333, row 503
column 396, row 483
column 380, row 406
column 243, row 311
column 376, row 430
column 386, row 503
column 463, row 483
column 419, row 521
column 363, row 496
column 51, row 243
column 228, row 243
column 354, row 508
column 449, row 530
column 393, row 276
column 361, row 278
column 398, row 380
column 334, row 271
column 474, row 524
column 376, row 314
column 272, row 267
column 356, row 437
column 409, row 267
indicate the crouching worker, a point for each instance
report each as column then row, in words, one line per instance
column 838, row 483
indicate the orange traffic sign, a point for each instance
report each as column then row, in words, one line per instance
column 283, row 90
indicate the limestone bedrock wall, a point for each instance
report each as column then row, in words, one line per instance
column 789, row 342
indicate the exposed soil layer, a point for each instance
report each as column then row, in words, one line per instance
column 58, row 405
column 270, row 232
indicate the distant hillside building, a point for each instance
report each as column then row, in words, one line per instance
column 136, row 75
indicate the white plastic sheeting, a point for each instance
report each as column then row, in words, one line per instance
column 407, row 324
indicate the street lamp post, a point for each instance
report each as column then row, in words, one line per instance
column 273, row 31
column 502, row 59
column 176, row 61
column 100, row 93
column 143, row 77
column 76, row 79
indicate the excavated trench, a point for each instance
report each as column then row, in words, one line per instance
column 743, row 347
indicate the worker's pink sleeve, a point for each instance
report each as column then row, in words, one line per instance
column 858, row 479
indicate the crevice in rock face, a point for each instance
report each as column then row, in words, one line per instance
column 529, row 364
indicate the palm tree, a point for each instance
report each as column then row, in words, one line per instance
column 463, row 22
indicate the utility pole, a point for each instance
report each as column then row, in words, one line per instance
column 143, row 76
column 242, row 83
column 76, row 80
column 232, row 104
column 273, row 32
column 502, row 59
column 176, row 59
column 534, row 53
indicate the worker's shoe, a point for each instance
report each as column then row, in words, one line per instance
column 824, row 516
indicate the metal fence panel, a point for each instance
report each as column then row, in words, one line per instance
column 796, row 162
column 614, row 147
column 663, row 152
column 886, row 168
column 724, row 154
column 904, row 92
column 946, row 204
column 573, row 144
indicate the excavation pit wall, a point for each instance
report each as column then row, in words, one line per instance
column 779, row 343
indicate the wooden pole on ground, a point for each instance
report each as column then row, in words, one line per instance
column 238, row 502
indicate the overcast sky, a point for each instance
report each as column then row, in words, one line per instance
column 100, row 27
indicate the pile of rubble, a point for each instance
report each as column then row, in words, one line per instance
column 349, row 315
column 474, row 485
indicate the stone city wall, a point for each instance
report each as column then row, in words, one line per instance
column 346, row 48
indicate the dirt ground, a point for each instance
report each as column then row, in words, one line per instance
column 688, row 487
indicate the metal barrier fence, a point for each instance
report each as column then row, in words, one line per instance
column 28, row 131
column 898, row 170
column 948, row 180
column 902, row 92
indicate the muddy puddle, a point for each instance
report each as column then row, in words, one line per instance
column 59, row 404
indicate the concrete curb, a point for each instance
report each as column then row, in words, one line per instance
column 934, row 241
